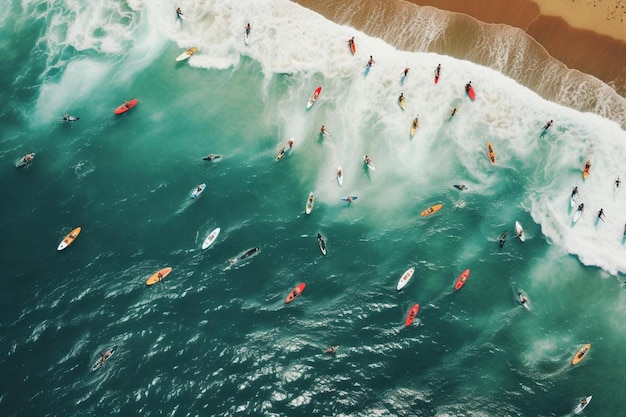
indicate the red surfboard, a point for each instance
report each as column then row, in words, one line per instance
column 460, row 281
column 411, row 315
column 295, row 293
column 314, row 97
column 352, row 46
column 437, row 74
column 126, row 106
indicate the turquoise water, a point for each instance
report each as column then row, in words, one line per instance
column 214, row 339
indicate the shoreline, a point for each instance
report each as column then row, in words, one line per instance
column 585, row 75
column 578, row 33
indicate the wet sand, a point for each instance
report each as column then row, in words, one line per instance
column 542, row 52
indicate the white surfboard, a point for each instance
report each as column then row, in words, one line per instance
column 210, row 238
column 339, row 175
column 309, row 203
column 520, row 231
column 185, row 55
column 246, row 36
column 196, row 192
column 572, row 200
column 577, row 216
column 582, row 406
column 404, row 279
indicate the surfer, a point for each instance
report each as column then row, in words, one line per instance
column 601, row 214
column 416, row 122
column 406, row 72
column 453, row 112
column 179, row 12
column 401, row 97
column 575, row 192
column 331, row 350
column 248, row 29
column 69, row 118
column 548, row 124
column 438, row 70
column 371, row 61
column 27, row 158
column 323, row 131
column 460, row 187
column 250, row 252
column 211, row 157
column 617, row 182
column 583, row 401
column 522, row 298
column 368, row 160
column 468, row 86
column 349, row 199
column 581, row 207
column 198, row 188
column 503, row 238
column 290, row 142
column 587, row 166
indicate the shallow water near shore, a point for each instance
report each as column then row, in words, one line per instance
column 214, row 339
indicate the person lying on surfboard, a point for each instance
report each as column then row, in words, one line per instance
column 575, row 192
column 453, row 112
column 522, row 298
column 248, row 29
column 331, row 349
column 548, row 125
column 406, row 72
column 581, row 207
column 351, row 41
column 371, row 61
column 617, row 182
column 468, row 86
column 438, row 70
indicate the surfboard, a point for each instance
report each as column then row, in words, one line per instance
column 158, row 276
column 309, row 203
column 196, row 192
column 246, row 36
column 491, row 153
column 69, row 239
column 414, row 125
column 321, row 243
column 404, row 279
column 519, row 231
column 369, row 164
column 580, row 355
column 521, row 297
column 211, row 238
column 352, row 45
column 314, row 97
column 587, row 169
column 470, row 92
column 281, row 153
column 572, row 200
column 185, row 55
column 577, row 215
column 349, row 198
column 107, row 354
column 437, row 74
column 22, row 163
column 68, row 118
column 581, row 405
column 430, row 210
column 339, row 175
column 126, row 106
column 462, row 279
column 411, row 315
column 211, row 157
column 402, row 102
column 295, row 293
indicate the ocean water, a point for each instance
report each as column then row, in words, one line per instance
column 217, row 339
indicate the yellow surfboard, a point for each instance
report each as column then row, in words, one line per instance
column 586, row 169
column 431, row 210
column 491, row 153
column 158, row 276
column 580, row 355
column 414, row 125
column 69, row 239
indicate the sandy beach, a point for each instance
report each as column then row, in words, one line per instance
column 550, row 46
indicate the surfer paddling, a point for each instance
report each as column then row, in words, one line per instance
column 548, row 124
column 323, row 131
column 370, row 62
column 248, row 29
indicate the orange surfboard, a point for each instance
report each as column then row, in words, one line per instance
column 491, row 153
column 462, row 279
column 158, row 276
column 69, row 239
column 580, row 355
column 411, row 315
column 295, row 293
column 431, row 210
